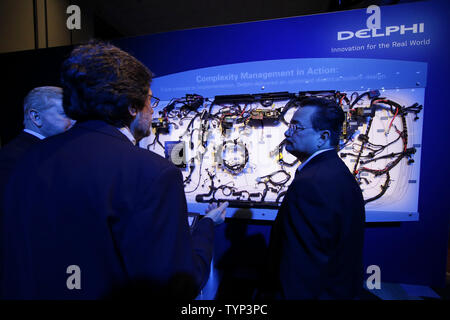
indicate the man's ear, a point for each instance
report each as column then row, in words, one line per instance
column 132, row 111
column 35, row 117
column 324, row 137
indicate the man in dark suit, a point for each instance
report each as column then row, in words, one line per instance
column 317, row 238
column 97, row 216
column 43, row 117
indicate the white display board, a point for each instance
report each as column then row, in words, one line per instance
column 228, row 148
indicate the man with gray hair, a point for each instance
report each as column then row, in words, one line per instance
column 43, row 112
column 43, row 117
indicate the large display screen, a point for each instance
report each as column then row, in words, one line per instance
column 225, row 131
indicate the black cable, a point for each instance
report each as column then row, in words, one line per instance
column 281, row 194
column 292, row 103
column 384, row 188
column 199, row 178
column 277, row 183
column 408, row 152
column 281, row 160
column 239, row 167
column 366, row 136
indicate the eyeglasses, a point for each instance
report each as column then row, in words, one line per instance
column 154, row 101
column 295, row 127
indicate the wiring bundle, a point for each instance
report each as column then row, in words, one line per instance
column 223, row 163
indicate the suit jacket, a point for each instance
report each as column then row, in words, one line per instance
column 91, row 199
column 12, row 152
column 317, row 238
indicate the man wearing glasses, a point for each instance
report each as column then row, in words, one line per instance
column 89, row 215
column 317, row 238
column 140, row 127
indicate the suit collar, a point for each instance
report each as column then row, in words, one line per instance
column 33, row 133
column 315, row 154
column 127, row 134
column 28, row 136
column 316, row 158
column 102, row 127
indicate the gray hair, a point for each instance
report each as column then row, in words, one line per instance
column 40, row 98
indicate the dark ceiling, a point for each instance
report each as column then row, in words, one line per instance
column 119, row 18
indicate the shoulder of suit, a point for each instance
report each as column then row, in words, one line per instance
column 325, row 169
column 152, row 157
column 146, row 161
column 22, row 141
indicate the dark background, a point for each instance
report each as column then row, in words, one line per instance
column 115, row 19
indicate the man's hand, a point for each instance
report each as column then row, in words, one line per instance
column 217, row 214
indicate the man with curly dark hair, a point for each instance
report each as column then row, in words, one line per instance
column 99, row 217
column 104, row 83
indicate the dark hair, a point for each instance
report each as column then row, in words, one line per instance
column 100, row 81
column 328, row 116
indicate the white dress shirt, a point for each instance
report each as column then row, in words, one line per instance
column 126, row 131
column 37, row 135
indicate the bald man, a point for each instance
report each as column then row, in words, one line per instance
column 43, row 117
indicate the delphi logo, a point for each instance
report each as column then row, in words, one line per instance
column 374, row 29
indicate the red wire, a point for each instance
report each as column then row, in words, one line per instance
column 242, row 111
column 390, row 125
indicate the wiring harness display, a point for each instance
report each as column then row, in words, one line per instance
column 232, row 147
